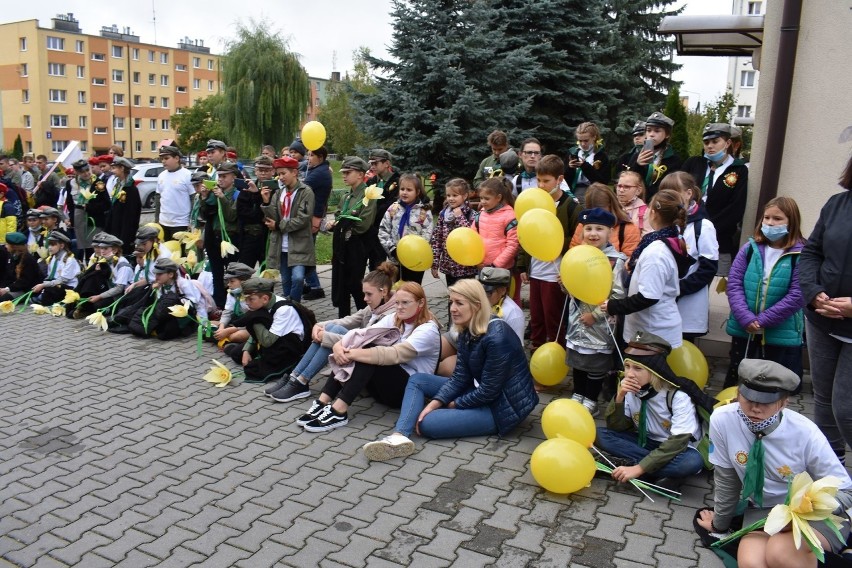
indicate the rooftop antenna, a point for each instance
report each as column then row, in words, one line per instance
column 334, row 60
column 154, row 14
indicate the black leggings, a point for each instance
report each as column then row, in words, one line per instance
column 588, row 384
column 384, row 383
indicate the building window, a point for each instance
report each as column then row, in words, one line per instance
column 744, row 111
column 196, row 84
column 137, row 125
column 164, row 80
column 138, row 144
column 101, row 129
column 81, row 71
column 152, row 102
column 179, row 110
column 150, row 55
column 58, row 146
column 210, row 64
column 181, row 89
column 118, row 76
column 79, row 46
column 59, row 120
column 118, row 99
column 153, row 146
column 136, row 76
column 98, row 81
column 118, row 51
column 164, row 58
column 164, row 102
column 99, row 106
column 98, row 57
column 152, row 124
column 747, row 79
column 134, row 53
column 56, row 43
column 118, row 123
column 180, row 67
column 56, row 69
column 25, row 70
column 27, row 121
column 165, row 124
column 83, row 121
column 23, row 43
column 137, row 100
column 152, row 79
column 196, row 62
column 81, row 97
column 209, row 85
column 25, row 95
column 84, row 145
column 29, row 146
column 755, row 8
column 56, row 95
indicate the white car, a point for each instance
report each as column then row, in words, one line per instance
column 145, row 177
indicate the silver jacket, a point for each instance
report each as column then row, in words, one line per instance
column 597, row 336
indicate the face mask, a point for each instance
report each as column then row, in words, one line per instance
column 717, row 157
column 235, row 292
column 756, row 427
column 774, row 232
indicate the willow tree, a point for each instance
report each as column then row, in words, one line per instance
column 266, row 89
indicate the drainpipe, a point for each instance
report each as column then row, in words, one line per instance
column 780, row 108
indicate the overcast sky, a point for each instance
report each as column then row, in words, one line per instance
column 318, row 31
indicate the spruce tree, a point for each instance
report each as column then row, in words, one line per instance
column 18, row 148
column 676, row 111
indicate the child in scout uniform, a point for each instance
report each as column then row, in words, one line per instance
column 386, row 178
column 125, row 204
column 647, row 427
column 638, row 138
column 758, row 446
column 20, row 273
column 34, row 230
column 408, row 216
column 62, row 270
column 86, row 195
column 219, row 205
column 276, row 332
column 146, row 252
column 235, row 305
column 105, row 278
column 350, row 245
column 52, row 219
column 588, row 163
column 653, row 165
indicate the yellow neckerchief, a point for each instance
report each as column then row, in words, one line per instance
column 497, row 309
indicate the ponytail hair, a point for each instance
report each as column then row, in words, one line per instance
column 499, row 186
column 667, row 205
column 383, row 277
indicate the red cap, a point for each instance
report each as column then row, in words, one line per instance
column 94, row 160
column 231, row 155
column 286, row 162
column 69, row 172
column 106, row 158
column 202, row 153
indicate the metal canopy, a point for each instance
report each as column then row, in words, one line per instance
column 722, row 36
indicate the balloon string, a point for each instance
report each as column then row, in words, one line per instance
column 614, row 340
column 562, row 318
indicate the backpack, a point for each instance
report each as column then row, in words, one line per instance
column 509, row 226
column 306, row 316
column 703, row 409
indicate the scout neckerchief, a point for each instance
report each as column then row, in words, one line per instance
column 84, row 184
column 581, row 155
column 238, row 309
column 55, row 260
column 754, row 474
column 497, row 309
column 345, row 210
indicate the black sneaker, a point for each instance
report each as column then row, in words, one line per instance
column 314, row 294
column 279, row 384
column 328, row 419
column 119, row 329
column 314, row 411
column 293, row 390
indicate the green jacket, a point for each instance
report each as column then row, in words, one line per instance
column 209, row 211
column 352, row 205
column 300, row 242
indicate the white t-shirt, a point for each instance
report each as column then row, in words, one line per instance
column 770, row 257
column 796, row 445
column 655, row 277
column 286, row 320
column 663, row 424
column 425, row 339
column 285, row 243
column 122, row 272
column 514, row 316
column 695, row 308
column 716, row 173
column 176, row 191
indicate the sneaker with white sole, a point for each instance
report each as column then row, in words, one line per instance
column 293, row 390
column 329, row 419
column 389, row 447
column 578, row 397
column 314, row 411
column 591, row 406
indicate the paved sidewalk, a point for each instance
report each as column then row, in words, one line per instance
column 115, row 452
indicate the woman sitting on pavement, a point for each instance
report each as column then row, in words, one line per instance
column 379, row 297
column 490, row 392
column 383, row 370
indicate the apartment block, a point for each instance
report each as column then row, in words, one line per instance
column 743, row 78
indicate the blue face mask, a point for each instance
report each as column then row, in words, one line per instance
column 774, row 232
column 717, row 157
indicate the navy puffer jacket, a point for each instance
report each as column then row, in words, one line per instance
column 498, row 363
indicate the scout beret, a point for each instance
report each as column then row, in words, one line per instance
column 354, row 163
column 122, row 161
column 163, row 265
column 33, row 214
column 659, row 119
column 765, row 381
column 59, row 237
column 80, row 165
column 258, row 286
column 286, row 162
column 170, row 151
column 491, row 278
column 716, row 130
column 146, row 233
column 228, row 168
column 379, row 154
column 52, row 212
column 216, row 145
column 199, row 176
column 646, row 343
column 104, row 239
column 597, row 216
column 238, row 270
column 16, row 238
column 639, row 128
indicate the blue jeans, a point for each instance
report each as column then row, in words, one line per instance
column 292, row 279
column 626, row 445
column 443, row 422
column 316, row 357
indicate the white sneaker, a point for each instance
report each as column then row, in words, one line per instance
column 591, row 406
column 389, row 447
column 578, row 397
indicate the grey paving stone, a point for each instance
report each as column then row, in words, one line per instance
column 136, row 559
column 122, row 545
column 172, row 537
column 270, row 554
column 597, row 553
column 29, row 555
column 77, row 549
column 445, row 543
column 312, row 554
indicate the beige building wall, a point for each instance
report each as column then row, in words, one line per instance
column 820, row 108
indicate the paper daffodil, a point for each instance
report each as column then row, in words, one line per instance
column 228, row 248
column 219, row 375
column 57, row 310
column 809, row 501
column 86, row 194
column 188, row 238
column 40, row 310
column 97, row 319
column 180, row 310
column 7, row 307
column 270, row 273
column 42, row 252
column 32, row 247
column 372, row 192
column 70, row 297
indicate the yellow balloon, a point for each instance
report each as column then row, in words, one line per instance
column 562, row 466
column 547, row 364
column 414, row 253
column 313, row 135
column 688, row 361
column 533, row 198
column 465, row 246
column 586, row 274
column 172, row 246
column 569, row 419
column 541, row 234
column 727, row 396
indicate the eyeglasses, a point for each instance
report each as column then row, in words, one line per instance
column 405, row 303
column 621, row 186
column 531, row 153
